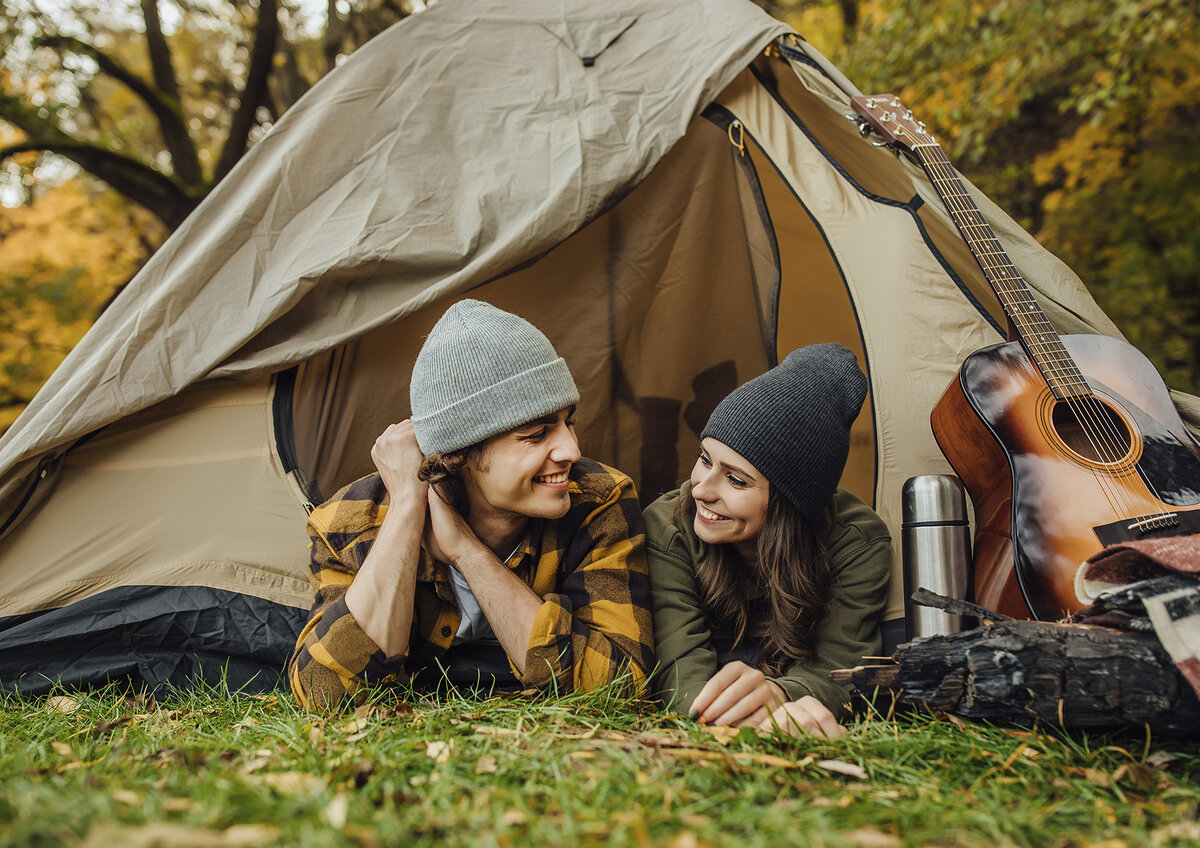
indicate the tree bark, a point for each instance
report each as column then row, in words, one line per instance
column 176, row 138
column 1069, row 675
column 254, row 91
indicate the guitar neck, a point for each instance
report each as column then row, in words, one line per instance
column 1034, row 330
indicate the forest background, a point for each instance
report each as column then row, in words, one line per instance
column 118, row 116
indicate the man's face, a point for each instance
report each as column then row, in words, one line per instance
column 523, row 472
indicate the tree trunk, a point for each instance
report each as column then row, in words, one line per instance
column 1069, row 675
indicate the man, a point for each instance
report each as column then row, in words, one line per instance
column 482, row 524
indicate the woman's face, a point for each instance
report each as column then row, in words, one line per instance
column 730, row 494
column 523, row 472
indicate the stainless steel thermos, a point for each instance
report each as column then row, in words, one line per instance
column 936, row 546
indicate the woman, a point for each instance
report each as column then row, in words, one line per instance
column 764, row 575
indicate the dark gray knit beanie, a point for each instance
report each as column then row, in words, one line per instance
column 793, row 422
column 480, row 372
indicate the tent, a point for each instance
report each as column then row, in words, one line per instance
column 670, row 191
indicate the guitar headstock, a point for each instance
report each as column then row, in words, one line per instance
column 889, row 117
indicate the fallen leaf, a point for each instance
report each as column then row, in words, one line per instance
column 1141, row 777
column 870, row 837
column 489, row 730
column 61, row 704
column 683, row 839
column 315, row 734
column 438, row 751
column 103, row 728
column 161, row 834
column 62, row 749
column 177, row 805
column 513, row 817
column 1094, row 776
column 723, row 735
column 1161, row 759
column 337, row 811
column 840, row 767
column 291, row 782
column 487, row 765
column 129, row 799
column 355, row 726
column 247, row 835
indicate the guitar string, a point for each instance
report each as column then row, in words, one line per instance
column 1092, row 415
column 1093, row 418
column 1097, row 425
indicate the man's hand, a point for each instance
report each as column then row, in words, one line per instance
column 738, row 695
column 397, row 456
column 447, row 535
column 381, row 596
column 807, row 715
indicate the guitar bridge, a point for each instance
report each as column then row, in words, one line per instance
column 1148, row 527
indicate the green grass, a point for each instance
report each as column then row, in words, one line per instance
column 209, row 769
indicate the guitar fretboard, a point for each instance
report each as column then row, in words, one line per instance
column 1033, row 328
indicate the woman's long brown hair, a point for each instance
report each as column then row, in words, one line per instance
column 791, row 565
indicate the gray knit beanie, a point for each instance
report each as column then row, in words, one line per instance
column 793, row 423
column 480, row 372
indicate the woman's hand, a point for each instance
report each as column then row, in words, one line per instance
column 737, row 696
column 807, row 715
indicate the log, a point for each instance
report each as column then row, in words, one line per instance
column 1071, row 675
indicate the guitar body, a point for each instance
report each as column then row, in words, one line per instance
column 1047, row 492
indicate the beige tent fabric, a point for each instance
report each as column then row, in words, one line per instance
column 196, row 490
column 468, row 139
column 471, row 151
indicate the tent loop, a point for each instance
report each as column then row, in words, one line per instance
column 740, row 141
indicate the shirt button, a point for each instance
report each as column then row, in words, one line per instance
column 446, row 631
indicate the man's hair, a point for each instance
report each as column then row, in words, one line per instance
column 792, row 566
column 443, row 471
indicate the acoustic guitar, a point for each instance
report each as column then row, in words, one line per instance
column 1066, row 444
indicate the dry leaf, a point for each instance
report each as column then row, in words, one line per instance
column 161, row 834
column 777, row 762
column 489, row 730
column 61, row 704
column 62, row 749
column 723, row 735
column 177, row 805
column 355, row 726
column 315, row 734
column 337, row 811
column 129, row 799
column 486, row 765
column 438, row 751
column 291, row 782
column 840, row 767
column 105, row 727
column 1161, row 759
column 254, row 765
column 870, row 837
column 513, row 817
column 248, row 835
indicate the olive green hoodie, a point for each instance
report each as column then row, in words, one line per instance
column 686, row 641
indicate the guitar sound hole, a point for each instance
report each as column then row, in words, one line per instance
column 1092, row 430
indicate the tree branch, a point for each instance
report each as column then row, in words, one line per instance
column 157, row 192
column 167, row 110
column 254, row 91
column 175, row 135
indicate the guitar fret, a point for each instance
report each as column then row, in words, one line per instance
column 1041, row 340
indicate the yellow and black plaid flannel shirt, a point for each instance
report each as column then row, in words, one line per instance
column 588, row 567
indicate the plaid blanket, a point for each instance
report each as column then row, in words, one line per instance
column 1153, row 584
